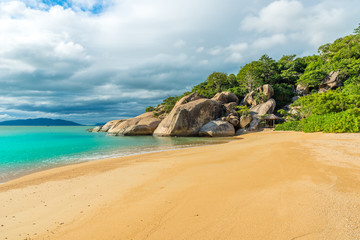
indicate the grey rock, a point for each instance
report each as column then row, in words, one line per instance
column 241, row 131
column 330, row 82
column 245, row 121
column 266, row 89
column 254, row 125
column 302, row 89
column 111, row 124
column 188, row 98
column 95, row 129
column 217, row 129
column 186, row 119
column 234, row 121
column 144, row 124
column 230, row 108
column 225, row 97
column 263, row 108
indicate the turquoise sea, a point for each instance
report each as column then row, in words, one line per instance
column 27, row 149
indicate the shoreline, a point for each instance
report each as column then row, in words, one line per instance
column 264, row 185
column 213, row 141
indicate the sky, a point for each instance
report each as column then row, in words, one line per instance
column 93, row 61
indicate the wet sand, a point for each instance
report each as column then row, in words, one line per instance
column 266, row 185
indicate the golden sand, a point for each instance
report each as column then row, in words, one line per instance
column 267, row 185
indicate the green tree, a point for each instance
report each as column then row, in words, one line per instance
column 269, row 70
column 217, row 80
column 357, row 30
column 249, row 76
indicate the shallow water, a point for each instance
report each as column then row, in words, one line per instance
column 28, row 149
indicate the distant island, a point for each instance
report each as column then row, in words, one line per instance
column 39, row 122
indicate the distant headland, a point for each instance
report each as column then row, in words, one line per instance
column 39, row 122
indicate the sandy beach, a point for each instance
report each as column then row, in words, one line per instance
column 265, row 185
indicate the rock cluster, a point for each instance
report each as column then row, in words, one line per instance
column 144, row 124
column 217, row 128
column 187, row 118
column 330, row 82
column 194, row 115
column 266, row 90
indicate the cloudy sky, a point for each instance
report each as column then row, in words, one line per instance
column 97, row 60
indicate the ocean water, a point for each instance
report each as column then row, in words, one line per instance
column 28, row 149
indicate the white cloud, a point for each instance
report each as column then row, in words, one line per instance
column 179, row 43
column 216, row 51
column 269, row 42
column 312, row 24
column 200, row 49
column 69, row 50
column 239, row 47
column 234, row 57
column 69, row 61
column 278, row 16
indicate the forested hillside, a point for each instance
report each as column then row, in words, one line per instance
column 319, row 104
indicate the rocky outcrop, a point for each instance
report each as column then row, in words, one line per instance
column 241, row 131
column 159, row 112
column 144, row 124
column 245, row 121
column 330, row 82
column 230, row 108
column 186, row 118
column 95, row 129
column 110, row 125
column 188, row 98
column 232, row 119
column 260, row 110
column 217, row 128
column 226, row 97
column 263, row 108
column 266, row 90
column 302, row 89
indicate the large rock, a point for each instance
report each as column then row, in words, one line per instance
column 188, row 98
column 111, row 124
column 241, row 131
column 249, row 99
column 186, row 119
column 230, row 108
column 302, row 89
column 159, row 112
column 234, row 121
column 330, row 82
column 217, row 128
column 144, row 124
column 266, row 89
column 263, row 108
column 254, row 125
column 226, row 97
column 245, row 121
column 95, row 129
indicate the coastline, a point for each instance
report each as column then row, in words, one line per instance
column 12, row 172
column 264, row 185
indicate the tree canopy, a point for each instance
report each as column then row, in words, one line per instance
column 342, row 55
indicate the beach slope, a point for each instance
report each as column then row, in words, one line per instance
column 266, row 185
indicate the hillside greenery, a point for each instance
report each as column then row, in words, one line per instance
column 315, row 109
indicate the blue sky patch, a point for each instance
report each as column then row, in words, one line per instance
column 95, row 9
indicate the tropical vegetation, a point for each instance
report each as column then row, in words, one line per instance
column 331, row 111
